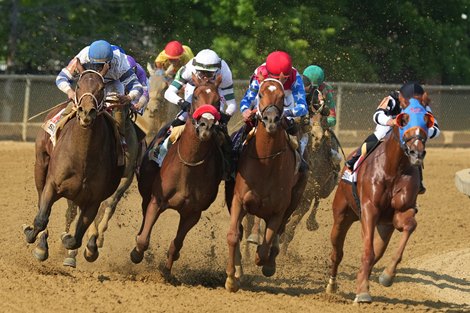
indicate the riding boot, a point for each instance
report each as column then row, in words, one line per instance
column 120, row 118
column 163, row 133
column 422, row 189
column 350, row 163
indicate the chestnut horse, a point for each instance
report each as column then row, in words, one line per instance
column 266, row 184
column 384, row 198
column 82, row 167
column 189, row 178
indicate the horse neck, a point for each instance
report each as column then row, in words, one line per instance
column 396, row 158
column 88, row 140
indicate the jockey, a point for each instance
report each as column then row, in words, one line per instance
column 140, row 105
column 385, row 116
column 318, row 92
column 118, row 78
column 278, row 65
column 205, row 65
column 170, row 60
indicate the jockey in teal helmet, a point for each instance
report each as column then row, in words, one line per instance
column 318, row 90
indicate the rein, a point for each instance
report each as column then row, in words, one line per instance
column 189, row 163
column 98, row 105
column 271, row 156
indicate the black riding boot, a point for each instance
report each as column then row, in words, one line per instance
column 369, row 143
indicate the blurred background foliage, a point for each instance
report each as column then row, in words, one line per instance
column 378, row 41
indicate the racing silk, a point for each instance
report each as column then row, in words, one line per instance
column 143, row 80
column 293, row 89
column 162, row 62
column 327, row 92
column 382, row 116
column 228, row 104
column 119, row 70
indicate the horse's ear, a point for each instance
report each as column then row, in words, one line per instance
column 260, row 77
column 79, row 66
column 429, row 119
column 105, row 69
column 282, row 77
column 218, row 80
column 196, row 79
column 402, row 119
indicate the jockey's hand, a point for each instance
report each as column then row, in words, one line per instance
column 124, row 99
column 224, row 118
column 247, row 114
column 71, row 94
column 391, row 122
column 184, row 105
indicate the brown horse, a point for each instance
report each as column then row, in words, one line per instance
column 324, row 172
column 108, row 207
column 384, row 198
column 266, row 184
column 82, row 167
column 190, row 175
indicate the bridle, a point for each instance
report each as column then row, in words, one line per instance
column 260, row 113
column 98, row 104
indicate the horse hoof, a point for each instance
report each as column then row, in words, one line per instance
column 363, row 298
column 136, row 256
column 71, row 262
column 41, row 254
column 68, row 241
column 254, row 239
column 232, row 284
column 385, row 279
column 332, row 288
column 312, row 225
column 90, row 256
column 28, row 231
column 268, row 271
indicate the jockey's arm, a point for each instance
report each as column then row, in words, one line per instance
column 330, row 102
column 380, row 116
column 298, row 92
column 248, row 101
column 131, row 82
column 65, row 77
column 434, row 131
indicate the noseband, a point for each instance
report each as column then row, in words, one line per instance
column 415, row 137
column 98, row 104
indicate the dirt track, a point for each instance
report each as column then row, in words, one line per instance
column 433, row 276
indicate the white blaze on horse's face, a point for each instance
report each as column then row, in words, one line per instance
column 272, row 88
column 208, row 91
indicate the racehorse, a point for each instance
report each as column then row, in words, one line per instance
column 108, row 207
column 189, row 177
column 267, row 184
column 384, row 198
column 82, row 167
column 324, row 171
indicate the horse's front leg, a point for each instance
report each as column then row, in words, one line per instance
column 152, row 213
column 406, row 223
column 186, row 223
column 48, row 197
column 232, row 283
column 269, row 249
column 368, row 222
column 70, row 215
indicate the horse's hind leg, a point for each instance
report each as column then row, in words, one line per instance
column 70, row 216
column 381, row 241
column 269, row 249
column 312, row 223
column 86, row 217
column 185, row 224
column 405, row 222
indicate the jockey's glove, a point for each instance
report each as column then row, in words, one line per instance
column 224, row 118
column 184, row 105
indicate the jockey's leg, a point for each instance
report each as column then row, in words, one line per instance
column 366, row 146
column 120, row 113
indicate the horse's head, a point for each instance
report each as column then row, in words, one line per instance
column 205, row 106
column 413, row 124
column 271, row 104
column 89, row 94
column 319, row 120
